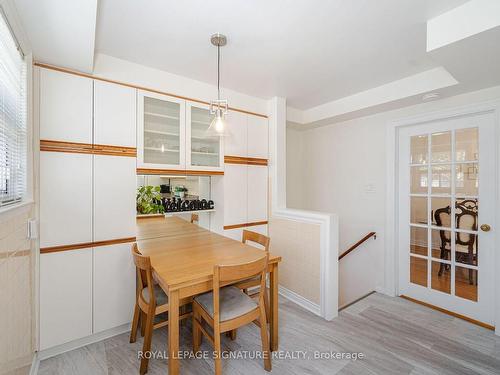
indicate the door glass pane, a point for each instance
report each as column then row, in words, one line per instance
column 418, row 153
column 204, row 150
column 418, row 271
column 441, row 147
column 441, row 212
column 418, row 210
column 466, row 144
column 161, row 131
column 441, row 244
column 418, row 180
column 441, row 179
column 418, row 240
column 466, row 283
column 440, row 277
column 467, row 179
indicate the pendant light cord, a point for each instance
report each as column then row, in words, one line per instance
column 218, row 72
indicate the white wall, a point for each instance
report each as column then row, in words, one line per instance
column 344, row 170
column 295, row 169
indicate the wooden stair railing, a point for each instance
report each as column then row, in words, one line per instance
column 369, row 235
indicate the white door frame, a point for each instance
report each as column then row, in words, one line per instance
column 391, row 275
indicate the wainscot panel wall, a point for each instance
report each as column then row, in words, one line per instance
column 17, row 291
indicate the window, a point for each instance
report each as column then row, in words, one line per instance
column 13, row 135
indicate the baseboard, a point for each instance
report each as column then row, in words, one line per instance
column 299, row 300
column 34, row 364
column 63, row 348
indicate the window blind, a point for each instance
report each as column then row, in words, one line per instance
column 13, row 135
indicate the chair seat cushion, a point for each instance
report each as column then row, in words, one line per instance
column 232, row 303
column 161, row 297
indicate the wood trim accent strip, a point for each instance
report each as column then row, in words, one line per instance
column 61, row 146
column 83, row 245
column 176, row 172
column 244, row 225
column 115, row 150
column 86, row 148
column 69, row 71
column 229, row 159
column 463, row 317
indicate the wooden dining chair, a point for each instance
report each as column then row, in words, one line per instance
column 151, row 301
column 228, row 308
column 195, row 218
column 264, row 241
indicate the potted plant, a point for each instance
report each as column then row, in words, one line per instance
column 180, row 191
column 148, row 200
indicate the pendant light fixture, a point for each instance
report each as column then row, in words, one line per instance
column 218, row 108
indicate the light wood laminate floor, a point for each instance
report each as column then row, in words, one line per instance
column 396, row 337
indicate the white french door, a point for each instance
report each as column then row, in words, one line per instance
column 446, row 214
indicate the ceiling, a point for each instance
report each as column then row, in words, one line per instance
column 311, row 53
column 61, row 32
column 331, row 60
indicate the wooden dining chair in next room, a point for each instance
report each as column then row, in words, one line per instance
column 151, row 300
column 228, row 308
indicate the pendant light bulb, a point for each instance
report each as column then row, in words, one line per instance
column 218, row 124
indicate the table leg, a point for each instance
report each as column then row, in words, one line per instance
column 273, row 321
column 173, row 332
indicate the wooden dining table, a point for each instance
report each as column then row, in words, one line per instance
column 183, row 256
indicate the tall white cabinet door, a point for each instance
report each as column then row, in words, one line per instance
column 235, row 194
column 258, row 138
column 65, row 107
column 65, row 198
column 114, row 114
column 65, row 297
column 257, row 193
column 114, row 286
column 114, row 197
column 235, row 144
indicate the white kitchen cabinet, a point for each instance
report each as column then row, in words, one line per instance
column 202, row 152
column 114, row 114
column 258, row 139
column 235, row 194
column 257, row 198
column 65, row 198
column 161, row 131
column 65, row 296
column 113, row 286
column 235, row 143
column 65, row 107
column 114, row 197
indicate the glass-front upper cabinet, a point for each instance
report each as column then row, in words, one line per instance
column 204, row 152
column 160, row 131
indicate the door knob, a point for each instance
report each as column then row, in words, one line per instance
column 485, row 228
